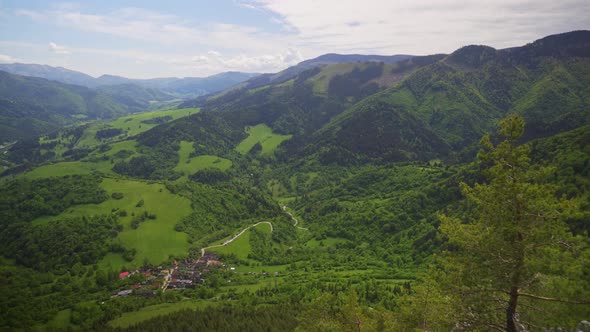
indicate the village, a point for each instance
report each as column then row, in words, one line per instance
column 187, row 273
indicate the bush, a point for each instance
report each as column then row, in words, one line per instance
column 117, row 195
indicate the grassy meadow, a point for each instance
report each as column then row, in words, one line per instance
column 132, row 125
column 154, row 240
column 261, row 134
column 131, row 318
column 189, row 165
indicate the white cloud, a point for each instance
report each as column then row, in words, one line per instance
column 160, row 43
column 57, row 49
column 7, row 59
column 214, row 53
column 158, row 28
column 425, row 27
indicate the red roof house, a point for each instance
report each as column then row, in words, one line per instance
column 123, row 275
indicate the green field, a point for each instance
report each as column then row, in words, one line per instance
column 130, row 318
column 60, row 322
column 261, row 134
column 68, row 168
column 240, row 246
column 189, row 165
column 154, row 240
column 131, row 125
column 84, row 166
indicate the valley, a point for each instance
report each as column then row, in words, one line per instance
column 336, row 191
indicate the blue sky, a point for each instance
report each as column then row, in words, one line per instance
column 145, row 39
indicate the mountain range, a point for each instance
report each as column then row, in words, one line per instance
column 122, row 95
column 179, row 87
column 422, row 107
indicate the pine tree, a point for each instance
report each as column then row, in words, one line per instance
column 516, row 249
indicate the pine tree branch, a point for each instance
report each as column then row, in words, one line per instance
column 552, row 299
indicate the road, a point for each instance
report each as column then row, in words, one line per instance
column 167, row 278
column 293, row 218
column 237, row 236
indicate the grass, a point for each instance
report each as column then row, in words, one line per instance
column 261, row 268
column 240, row 246
column 131, row 318
column 261, row 134
column 154, row 240
column 83, row 167
column 189, row 165
column 60, row 322
column 67, row 168
column 322, row 80
column 131, row 124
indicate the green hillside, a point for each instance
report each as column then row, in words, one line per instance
column 447, row 106
column 33, row 106
column 93, row 141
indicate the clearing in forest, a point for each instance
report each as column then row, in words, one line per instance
column 261, row 134
column 155, row 239
column 189, row 165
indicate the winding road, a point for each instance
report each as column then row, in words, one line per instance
column 247, row 228
column 169, row 274
column 237, row 236
column 293, row 218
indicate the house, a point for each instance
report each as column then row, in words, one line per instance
column 123, row 275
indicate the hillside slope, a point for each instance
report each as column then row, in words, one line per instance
column 447, row 106
column 33, row 106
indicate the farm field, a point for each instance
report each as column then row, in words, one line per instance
column 261, row 134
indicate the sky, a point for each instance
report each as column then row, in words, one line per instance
column 154, row 38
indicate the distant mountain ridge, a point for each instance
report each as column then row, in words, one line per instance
column 187, row 87
column 59, row 74
column 293, row 71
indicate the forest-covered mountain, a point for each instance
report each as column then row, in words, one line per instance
column 435, row 192
column 449, row 105
column 441, row 107
column 59, row 74
column 291, row 72
column 34, row 106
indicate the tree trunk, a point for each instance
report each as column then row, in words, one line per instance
column 511, row 310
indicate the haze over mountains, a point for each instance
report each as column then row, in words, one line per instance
column 179, row 87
